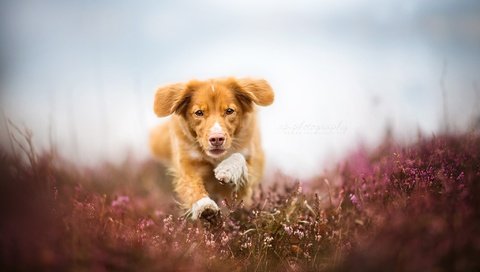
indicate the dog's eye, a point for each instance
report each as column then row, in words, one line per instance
column 229, row 111
column 199, row 113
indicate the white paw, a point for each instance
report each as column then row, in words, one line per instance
column 233, row 171
column 206, row 205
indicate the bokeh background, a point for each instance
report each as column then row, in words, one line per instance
column 82, row 74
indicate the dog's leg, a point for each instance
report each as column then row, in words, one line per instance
column 205, row 208
column 255, row 166
column 191, row 191
column 233, row 171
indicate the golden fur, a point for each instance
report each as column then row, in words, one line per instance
column 199, row 110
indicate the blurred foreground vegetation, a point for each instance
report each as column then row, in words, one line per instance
column 396, row 207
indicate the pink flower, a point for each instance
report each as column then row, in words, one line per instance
column 354, row 199
column 120, row 201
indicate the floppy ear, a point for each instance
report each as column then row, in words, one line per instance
column 253, row 90
column 170, row 99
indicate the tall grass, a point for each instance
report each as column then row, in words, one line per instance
column 396, row 207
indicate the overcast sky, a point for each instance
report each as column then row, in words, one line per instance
column 342, row 70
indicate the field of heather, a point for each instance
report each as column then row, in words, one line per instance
column 395, row 207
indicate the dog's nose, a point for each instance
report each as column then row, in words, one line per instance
column 216, row 139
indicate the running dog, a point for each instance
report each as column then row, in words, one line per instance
column 211, row 142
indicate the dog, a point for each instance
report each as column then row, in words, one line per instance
column 211, row 143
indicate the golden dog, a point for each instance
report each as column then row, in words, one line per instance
column 212, row 140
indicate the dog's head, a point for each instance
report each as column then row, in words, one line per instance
column 213, row 110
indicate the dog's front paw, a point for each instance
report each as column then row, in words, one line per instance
column 233, row 170
column 206, row 209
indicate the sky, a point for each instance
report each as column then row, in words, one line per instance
column 82, row 74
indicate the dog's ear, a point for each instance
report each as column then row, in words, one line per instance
column 170, row 99
column 252, row 90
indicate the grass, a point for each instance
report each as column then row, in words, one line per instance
column 396, row 207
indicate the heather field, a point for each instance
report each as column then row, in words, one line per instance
column 396, row 207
